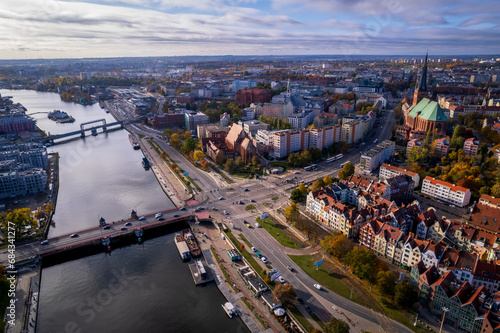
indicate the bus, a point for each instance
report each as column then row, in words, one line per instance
column 311, row 167
column 334, row 158
column 342, row 165
column 376, row 140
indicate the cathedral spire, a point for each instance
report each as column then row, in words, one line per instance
column 423, row 78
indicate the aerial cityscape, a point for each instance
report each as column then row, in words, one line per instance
column 249, row 166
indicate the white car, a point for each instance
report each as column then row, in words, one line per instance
column 318, row 286
column 264, row 260
column 142, row 218
column 282, row 280
column 158, row 215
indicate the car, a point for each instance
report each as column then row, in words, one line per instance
column 183, row 208
column 175, row 215
column 106, row 227
column 248, row 225
column 296, row 173
column 214, row 208
column 226, row 213
column 123, row 228
column 301, row 301
column 221, row 198
column 290, row 268
column 158, row 215
column 253, row 200
column 73, row 235
column 257, row 225
column 142, row 218
column 258, row 254
column 128, row 224
column 201, row 207
column 246, row 190
column 264, row 260
column 318, row 286
column 254, row 249
column 241, row 202
column 161, row 219
column 452, row 206
column 197, row 210
column 308, row 308
column 45, row 242
column 281, row 279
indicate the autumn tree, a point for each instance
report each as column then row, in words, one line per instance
column 296, row 195
column 204, row 164
column 17, row 219
column 198, row 155
column 337, row 244
column 240, row 163
column 175, row 140
column 187, row 134
column 385, row 283
column 285, row 293
column 327, row 180
column 168, row 133
column 255, row 160
column 336, row 326
column 319, row 183
column 303, row 189
column 48, row 209
column 292, row 212
column 347, row 171
column 404, row 294
column 363, row 263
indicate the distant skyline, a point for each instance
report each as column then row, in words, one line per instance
column 134, row 28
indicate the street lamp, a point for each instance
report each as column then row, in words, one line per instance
column 442, row 321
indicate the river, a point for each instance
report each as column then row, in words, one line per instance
column 138, row 288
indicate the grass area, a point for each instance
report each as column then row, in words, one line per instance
column 249, row 207
column 277, row 164
column 274, row 198
column 222, row 174
column 228, row 278
column 300, row 318
column 262, row 321
column 317, row 320
column 278, row 233
column 192, row 182
column 141, row 136
column 266, row 204
column 244, row 252
column 246, row 241
column 230, row 189
column 325, row 278
column 395, row 313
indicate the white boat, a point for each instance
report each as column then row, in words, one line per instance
column 230, row 310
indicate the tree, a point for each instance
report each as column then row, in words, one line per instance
column 189, row 145
column 17, row 219
column 336, row 326
column 175, row 140
column 319, row 183
column 292, row 212
column 285, row 293
column 48, row 209
column 404, row 294
column 230, row 165
column 385, row 282
column 495, row 190
column 168, row 133
column 347, row 171
column 303, row 189
column 337, row 244
column 204, row 164
column 242, row 246
column 296, row 195
column 255, row 160
column 327, row 180
column 240, row 163
column 363, row 263
column 198, row 155
column 187, row 134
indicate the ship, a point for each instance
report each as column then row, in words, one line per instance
column 134, row 143
column 194, row 248
column 182, row 247
column 145, row 163
column 230, row 310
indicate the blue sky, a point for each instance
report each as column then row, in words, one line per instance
column 110, row 28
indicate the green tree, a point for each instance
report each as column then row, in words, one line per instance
column 168, row 133
column 255, row 160
column 386, row 282
column 292, row 212
column 189, row 145
column 336, row 326
column 285, row 293
column 457, row 141
column 187, row 134
column 296, row 195
column 303, row 189
column 240, row 163
column 495, row 190
column 17, row 219
column 230, row 165
column 428, row 137
column 319, row 183
column 363, row 263
column 347, row 171
column 405, row 295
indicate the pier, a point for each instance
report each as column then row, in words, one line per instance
column 200, row 271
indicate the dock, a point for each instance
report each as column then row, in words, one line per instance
column 200, row 272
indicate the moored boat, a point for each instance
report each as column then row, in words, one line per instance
column 182, row 247
column 145, row 163
column 230, row 310
column 194, row 248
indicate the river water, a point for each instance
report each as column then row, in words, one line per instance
column 139, row 288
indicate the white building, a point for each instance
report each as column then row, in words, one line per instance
column 449, row 193
column 379, row 154
column 388, row 171
column 301, row 120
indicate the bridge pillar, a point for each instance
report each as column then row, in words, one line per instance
column 104, row 128
column 82, row 134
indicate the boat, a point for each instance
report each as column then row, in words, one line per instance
column 230, row 310
column 194, row 248
column 182, row 247
column 145, row 163
column 134, row 143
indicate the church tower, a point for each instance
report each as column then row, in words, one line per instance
column 421, row 87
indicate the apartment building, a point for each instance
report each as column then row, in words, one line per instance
column 14, row 183
column 449, row 193
column 286, row 142
column 471, row 147
column 442, row 147
column 376, row 156
column 413, row 143
column 388, row 171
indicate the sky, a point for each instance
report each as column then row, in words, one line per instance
column 34, row 29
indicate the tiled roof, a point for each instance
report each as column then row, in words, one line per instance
column 485, row 217
column 451, row 186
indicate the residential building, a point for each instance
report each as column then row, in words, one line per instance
column 412, row 251
column 14, row 183
column 251, row 127
column 275, row 110
column 486, row 214
column 437, row 231
column 452, row 194
column 424, row 221
column 412, row 143
column 167, row 120
column 301, row 120
column 388, row 171
column 193, row 119
column 442, row 146
column 16, row 121
column 324, row 137
column 377, row 155
column 400, row 188
column 471, row 146
column 252, row 95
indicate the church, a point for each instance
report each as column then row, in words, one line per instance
column 424, row 114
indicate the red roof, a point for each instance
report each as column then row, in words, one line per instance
column 451, row 186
